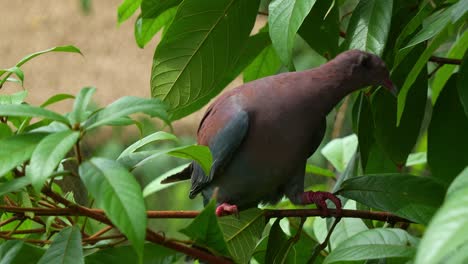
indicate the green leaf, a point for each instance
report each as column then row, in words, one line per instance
column 375, row 244
column 153, row 254
column 312, row 169
column 205, row 231
column 340, row 150
column 443, row 74
column 14, row 185
column 242, row 233
column 125, row 106
column 16, row 98
column 9, row 250
column 363, row 126
column 68, row 48
column 126, row 9
column 284, row 19
column 5, row 131
column 200, row 154
column 146, row 28
column 321, row 28
column 447, row 132
column 279, row 245
column 424, row 10
column 187, row 74
column 265, row 64
column 157, row 136
column 369, row 26
column 156, row 185
column 57, row 98
column 398, row 141
column 27, row 254
column 31, row 111
column 17, row 71
column 80, row 113
column 154, row 8
column 416, row 159
column 48, row 154
column 447, row 231
column 17, row 149
column 414, row 73
column 411, row 197
column 65, row 249
column 119, row 194
column 462, row 81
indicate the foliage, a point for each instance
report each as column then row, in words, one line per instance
column 61, row 204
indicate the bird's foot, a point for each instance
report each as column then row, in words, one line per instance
column 226, row 209
column 319, row 199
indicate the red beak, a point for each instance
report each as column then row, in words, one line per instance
column 390, row 87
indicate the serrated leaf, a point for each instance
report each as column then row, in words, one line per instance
column 146, row 28
column 411, row 197
column 206, row 232
column 9, row 250
column 154, row 8
column 447, row 135
column 125, row 106
column 339, row 151
column 186, row 74
column 369, row 26
column 157, row 136
column 79, row 112
column 443, row 74
column 17, row 149
column 242, row 234
column 119, row 194
column 65, row 249
column 447, row 230
column 376, row 243
column 284, row 19
column 126, row 9
column 16, row 98
column 156, row 185
column 31, row 111
column 48, row 154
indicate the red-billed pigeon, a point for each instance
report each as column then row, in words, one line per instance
column 261, row 133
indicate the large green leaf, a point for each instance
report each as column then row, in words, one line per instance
column 16, row 98
column 157, row 136
column 339, row 151
column 119, row 194
column 156, row 185
column 242, row 233
column 415, row 198
column 48, row 154
column 284, row 19
column 321, row 28
column 31, row 111
column 363, row 126
column 398, row 141
column 17, row 149
column 153, row 254
column 186, row 74
column 146, row 28
column 126, row 9
column 369, row 26
column 154, row 8
column 126, row 106
column 443, row 74
column 447, row 230
column 375, row 244
column 205, row 231
column 424, row 10
column 65, row 249
column 9, row 250
column 80, row 113
column 265, row 64
column 14, row 185
column 461, row 83
column 447, row 132
column 279, row 245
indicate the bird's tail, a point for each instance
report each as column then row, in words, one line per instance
column 180, row 176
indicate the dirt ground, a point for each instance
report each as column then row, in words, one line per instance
column 112, row 61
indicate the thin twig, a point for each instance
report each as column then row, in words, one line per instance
column 101, row 232
column 441, row 60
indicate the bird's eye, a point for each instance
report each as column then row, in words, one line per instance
column 365, row 60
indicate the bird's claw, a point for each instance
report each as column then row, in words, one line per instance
column 227, row 209
column 320, row 198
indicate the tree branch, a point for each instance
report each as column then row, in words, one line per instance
column 441, row 60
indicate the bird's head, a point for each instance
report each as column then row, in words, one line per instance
column 368, row 69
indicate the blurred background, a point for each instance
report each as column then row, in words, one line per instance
column 114, row 64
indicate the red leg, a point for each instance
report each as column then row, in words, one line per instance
column 226, row 209
column 320, row 198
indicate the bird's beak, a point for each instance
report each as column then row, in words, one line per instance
column 388, row 84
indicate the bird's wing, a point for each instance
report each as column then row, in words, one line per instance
column 223, row 146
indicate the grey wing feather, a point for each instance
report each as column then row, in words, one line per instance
column 222, row 147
